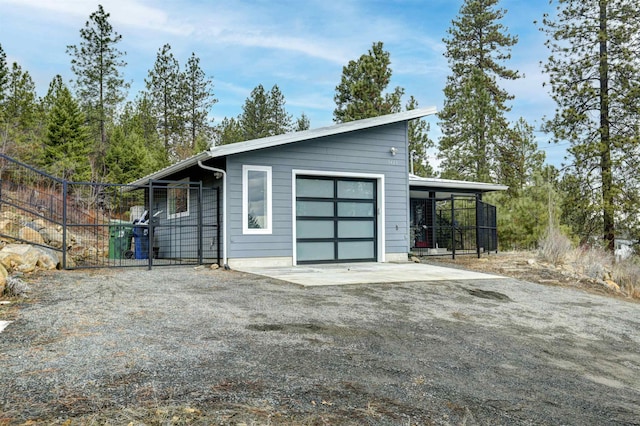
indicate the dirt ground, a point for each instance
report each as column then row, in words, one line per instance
column 196, row 346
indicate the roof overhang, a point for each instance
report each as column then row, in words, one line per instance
column 452, row 185
column 287, row 138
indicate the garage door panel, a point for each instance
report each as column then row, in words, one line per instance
column 315, row 228
column 356, row 189
column 355, row 209
column 314, row 208
column 315, row 251
column 356, row 229
column 315, row 188
column 355, row 250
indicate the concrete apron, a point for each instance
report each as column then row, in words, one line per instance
column 363, row 273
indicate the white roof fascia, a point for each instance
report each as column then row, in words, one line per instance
column 454, row 184
column 272, row 141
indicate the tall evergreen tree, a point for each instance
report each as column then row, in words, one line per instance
column 68, row 141
column 419, row 143
column 302, row 123
column 361, row 92
column 4, row 76
column 19, row 132
column 255, row 119
column 97, row 64
column 199, row 99
column 228, row 131
column 164, row 85
column 519, row 158
column 279, row 119
column 473, row 119
column 595, row 81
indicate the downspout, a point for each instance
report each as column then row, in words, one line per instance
column 224, row 210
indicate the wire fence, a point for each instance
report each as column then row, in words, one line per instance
column 91, row 225
column 453, row 225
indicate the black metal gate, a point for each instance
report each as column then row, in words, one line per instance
column 453, row 225
column 96, row 225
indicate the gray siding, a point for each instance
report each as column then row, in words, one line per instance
column 177, row 238
column 363, row 151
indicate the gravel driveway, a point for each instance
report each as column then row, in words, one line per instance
column 180, row 345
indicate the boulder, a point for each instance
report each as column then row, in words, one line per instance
column 19, row 257
column 31, row 235
column 48, row 259
column 9, row 229
column 39, row 224
column 52, row 237
column 3, row 279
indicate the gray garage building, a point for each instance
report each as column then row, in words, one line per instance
column 333, row 194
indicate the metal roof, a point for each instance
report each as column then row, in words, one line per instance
column 451, row 184
column 287, row 138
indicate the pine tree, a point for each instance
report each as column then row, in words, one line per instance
column 19, row 132
column 97, row 64
column 255, row 119
column 419, row 143
column 4, row 76
column 302, row 123
column 199, row 98
column 519, row 158
column 228, row 131
column 164, row 90
column 595, row 81
column 473, row 119
column 68, row 141
column 279, row 119
column 360, row 93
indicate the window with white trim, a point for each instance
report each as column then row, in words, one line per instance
column 256, row 199
column 178, row 199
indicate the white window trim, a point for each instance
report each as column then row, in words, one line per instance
column 245, row 200
column 380, row 226
column 184, row 183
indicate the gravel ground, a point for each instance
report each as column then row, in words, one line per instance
column 180, row 345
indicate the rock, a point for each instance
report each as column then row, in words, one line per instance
column 612, row 285
column 199, row 268
column 19, row 257
column 39, row 224
column 531, row 261
column 48, row 259
column 52, row 237
column 415, row 259
column 3, row 279
column 31, row 235
column 214, row 266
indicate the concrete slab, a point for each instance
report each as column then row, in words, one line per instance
column 362, row 273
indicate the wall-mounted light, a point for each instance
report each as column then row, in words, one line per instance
column 393, row 150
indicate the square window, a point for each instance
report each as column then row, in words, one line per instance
column 256, row 199
column 178, row 200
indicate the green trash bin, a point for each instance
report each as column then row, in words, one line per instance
column 120, row 234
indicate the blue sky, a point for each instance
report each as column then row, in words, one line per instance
column 299, row 45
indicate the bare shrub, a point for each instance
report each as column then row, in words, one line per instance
column 16, row 287
column 593, row 262
column 626, row 274
column 554, row 247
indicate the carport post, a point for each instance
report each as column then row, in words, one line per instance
column 478, row 222
column 453, row 228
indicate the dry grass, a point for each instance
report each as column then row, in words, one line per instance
column 593, row 263
column 554, row 247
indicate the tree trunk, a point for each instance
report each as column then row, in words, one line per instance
column 608, row 211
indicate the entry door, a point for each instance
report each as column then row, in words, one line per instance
column 335, row 219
